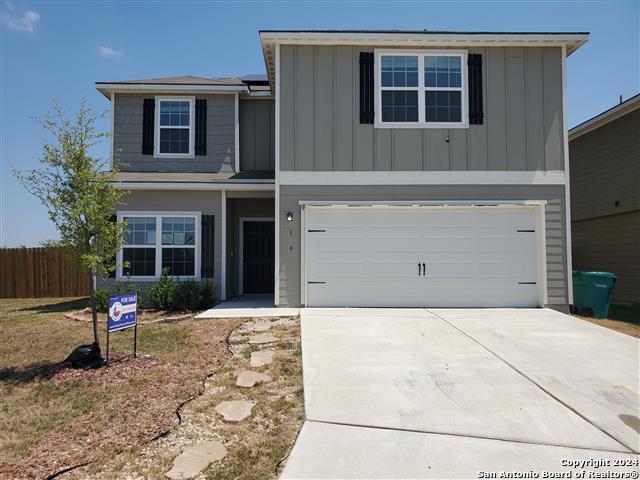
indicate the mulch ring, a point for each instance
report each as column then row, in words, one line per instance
column 145, row 315
column 141, row 396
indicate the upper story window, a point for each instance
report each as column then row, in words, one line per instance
column 425, row 88
column 174, row 127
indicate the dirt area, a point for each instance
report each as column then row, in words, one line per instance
column 53, row 418
column 257, row 446
column 622, row 318
column 617, row 325
column 145, row 316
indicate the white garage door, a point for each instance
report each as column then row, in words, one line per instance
column 431, row 256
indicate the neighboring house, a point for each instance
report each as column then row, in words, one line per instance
column 367, row 168
column 605, row 196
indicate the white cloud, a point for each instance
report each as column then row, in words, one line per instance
column 110, row 52
column 23, row 22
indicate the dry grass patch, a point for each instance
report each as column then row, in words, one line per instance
column 622, row 318
column 53, row 418
column 257, row 446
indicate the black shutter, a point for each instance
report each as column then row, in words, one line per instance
column 476, row 114
column 206, row 247
column 113, row 219
column 148, row 116
column 366, row 87
column 201, row 127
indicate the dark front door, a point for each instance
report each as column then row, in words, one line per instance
column 257, row 256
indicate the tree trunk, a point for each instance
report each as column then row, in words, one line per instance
column 94, row 308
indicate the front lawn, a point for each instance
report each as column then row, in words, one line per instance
column 53, row 418
column 257, row 446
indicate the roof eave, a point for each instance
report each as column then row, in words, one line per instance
column 270, row 38
column 108, row 88
column 605, row 117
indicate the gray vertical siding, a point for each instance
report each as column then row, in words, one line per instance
column 320, row 128
column 257, row 135
column 289, row 235
column 127, row 137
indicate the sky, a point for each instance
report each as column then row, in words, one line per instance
column 59, row 49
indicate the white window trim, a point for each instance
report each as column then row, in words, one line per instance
column 378, row 123
column 192, row 117
column 158, row 245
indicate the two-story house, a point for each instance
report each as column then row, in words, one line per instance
column 367, row 168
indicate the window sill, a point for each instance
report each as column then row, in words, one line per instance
column 169, row 156
column 422, row 125
column 122, row 279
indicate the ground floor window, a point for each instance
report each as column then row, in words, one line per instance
column 155, row 241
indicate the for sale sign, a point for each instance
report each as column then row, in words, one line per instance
column 122, row 311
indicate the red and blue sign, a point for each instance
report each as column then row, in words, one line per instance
column 122, row 311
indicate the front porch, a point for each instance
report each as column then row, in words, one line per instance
column 249, row 243
column 248, row 306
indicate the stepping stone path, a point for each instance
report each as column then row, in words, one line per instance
column 263, row 338
column 235, row 410
column 261, row 358
column 249, row 378
column 196, row 458
column 261, row 326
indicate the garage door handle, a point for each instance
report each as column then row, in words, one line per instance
column 419, row 271
column 424, row 269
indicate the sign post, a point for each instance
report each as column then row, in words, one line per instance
column 123, row 310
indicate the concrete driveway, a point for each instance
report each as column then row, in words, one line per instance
column 412, row 393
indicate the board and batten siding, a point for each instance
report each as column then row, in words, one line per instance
column 257, row 135
column 127, row 137
column 289, row 234
column 320, row 128
column 208, row 203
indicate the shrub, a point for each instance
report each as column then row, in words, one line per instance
column 102, row 300
column 130, row 287
column 161, row 294
column 191, row 295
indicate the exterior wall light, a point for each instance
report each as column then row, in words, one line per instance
column 290, row 216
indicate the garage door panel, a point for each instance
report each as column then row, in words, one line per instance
column 473, row 257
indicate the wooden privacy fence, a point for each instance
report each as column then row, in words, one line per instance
column 40, row 272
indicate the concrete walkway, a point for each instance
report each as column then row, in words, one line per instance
column 248, row 306
column 392, row 393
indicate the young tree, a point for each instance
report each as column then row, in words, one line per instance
column 79, row 195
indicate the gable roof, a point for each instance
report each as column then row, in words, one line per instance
column 399, row 38
column 628, row 106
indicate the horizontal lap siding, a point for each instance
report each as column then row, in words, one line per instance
column 611, row 244
column 208, row 203
column 320, row 129
column 605, row 169
column 290, row 254
column 127, row 137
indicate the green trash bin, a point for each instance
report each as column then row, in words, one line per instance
column 593, row 290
